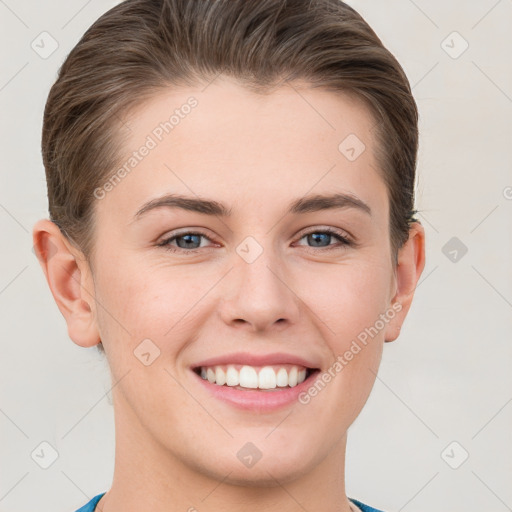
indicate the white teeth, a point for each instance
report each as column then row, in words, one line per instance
column 267, row 377
column 292, row 377
column 220, row 376
column 232, row 376
column 248, row 377
column 282, row 378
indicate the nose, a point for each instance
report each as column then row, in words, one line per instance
column 258, row 296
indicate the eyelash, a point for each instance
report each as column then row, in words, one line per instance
column 344, row 241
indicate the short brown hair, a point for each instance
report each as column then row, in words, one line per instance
column 142, row 46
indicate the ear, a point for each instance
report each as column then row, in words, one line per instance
column 411, row 262
column 70, row 280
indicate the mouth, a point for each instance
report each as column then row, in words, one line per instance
column 269, row 378
column 256, row 383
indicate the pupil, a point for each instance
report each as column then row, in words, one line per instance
column 316, row 236
column 188, row 241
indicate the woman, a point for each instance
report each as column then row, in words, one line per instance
column 231, row 198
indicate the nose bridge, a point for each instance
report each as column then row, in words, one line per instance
column 259, row 294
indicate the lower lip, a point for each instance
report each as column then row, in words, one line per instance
column 255, row 399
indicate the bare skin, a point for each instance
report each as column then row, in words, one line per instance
column 176, row 446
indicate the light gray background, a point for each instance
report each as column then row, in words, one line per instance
column 447, row 378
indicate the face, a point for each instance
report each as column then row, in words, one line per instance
column 261, row 277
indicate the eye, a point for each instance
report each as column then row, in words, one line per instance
column 187, row 241
column 319, row 237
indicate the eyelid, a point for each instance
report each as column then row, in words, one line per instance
column 183, row 231
column 329, row 229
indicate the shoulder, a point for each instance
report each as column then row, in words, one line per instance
column 91, row 505
column 363, row 507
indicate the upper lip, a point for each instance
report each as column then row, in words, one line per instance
column 245, row 358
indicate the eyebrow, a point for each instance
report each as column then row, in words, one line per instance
column 308, row 204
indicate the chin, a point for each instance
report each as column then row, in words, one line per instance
column 261, row 464
column 270, row 473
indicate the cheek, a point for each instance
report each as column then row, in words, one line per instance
column 351, row 300
column 140, row 302
column 353, row 310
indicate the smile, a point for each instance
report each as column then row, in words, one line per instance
column 257, row 388
column 256, row 383
column 254, row 377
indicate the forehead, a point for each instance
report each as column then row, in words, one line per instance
column 243, row 148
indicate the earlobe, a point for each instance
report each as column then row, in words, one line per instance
column 411, row 262
column 68, row 275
